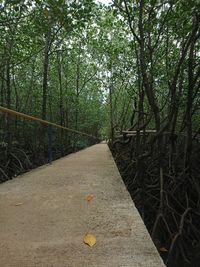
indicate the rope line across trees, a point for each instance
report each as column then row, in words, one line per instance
column 32, row 118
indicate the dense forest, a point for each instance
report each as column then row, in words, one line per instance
column 128, row 71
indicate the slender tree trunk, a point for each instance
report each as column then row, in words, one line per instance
column 66, row 104
column 45, row 73
column 61, row 101
column 3, row 86
column 45, row 89
column 111, row 111
column 29, row 98
column 77, row 89
column 143, row 65
column 188, row 148
column 8, row 104
column 2, row 96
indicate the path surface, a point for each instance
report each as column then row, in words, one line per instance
column 44, row 216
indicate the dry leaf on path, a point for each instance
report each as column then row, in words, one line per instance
column 163, row 249
column 18, row 204
column 89, row 197
column 89, row 239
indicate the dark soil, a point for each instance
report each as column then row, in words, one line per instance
column 23, row 157
column 167, row 198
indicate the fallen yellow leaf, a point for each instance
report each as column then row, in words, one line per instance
column 163, row 249
column 89, row 197
column 89, row 239
column 18, row 204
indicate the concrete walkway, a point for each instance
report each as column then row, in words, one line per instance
column 44, row 216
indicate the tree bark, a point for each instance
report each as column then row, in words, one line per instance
column 143, row 64
column 61, row 100
column 45, row 73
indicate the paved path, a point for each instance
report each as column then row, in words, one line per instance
column 44, row 216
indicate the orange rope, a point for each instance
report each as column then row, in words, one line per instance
column 31, row 118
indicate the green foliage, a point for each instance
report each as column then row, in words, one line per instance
column 97, row 50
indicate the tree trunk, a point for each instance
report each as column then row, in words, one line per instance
column 8, row 104
column 45, row 73
column 61, row 101
column 188, row 148
column 143, row 64
column 111, row 111
column 77, row 88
